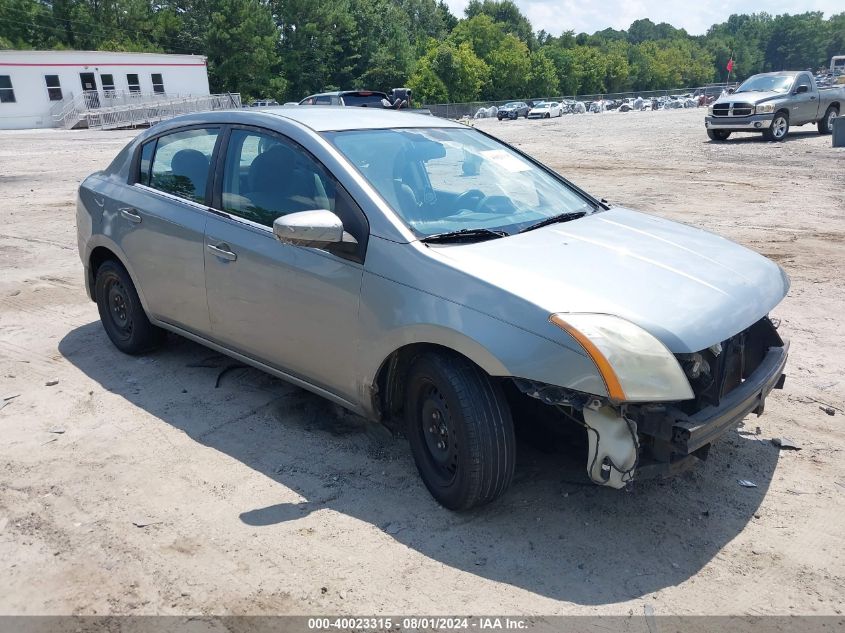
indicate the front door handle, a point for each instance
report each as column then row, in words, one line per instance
column 222, row 251
column 131, row 214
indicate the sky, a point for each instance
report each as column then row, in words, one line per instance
column 588, row 16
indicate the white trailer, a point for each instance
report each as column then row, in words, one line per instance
column 37, row 86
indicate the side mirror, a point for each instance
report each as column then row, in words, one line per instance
column 316, row 229
column 731, row 90
column 802, row 89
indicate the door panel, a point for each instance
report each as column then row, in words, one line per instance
column 805, row 105
column 160, row 225
column 292, row 307
column 165, row 252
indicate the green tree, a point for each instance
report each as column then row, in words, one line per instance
column 542, row 76
column 509, row 68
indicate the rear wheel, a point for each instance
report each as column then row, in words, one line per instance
column 779, row 128
column 460, row 430
column 825, row 125
column 718, row 135
column 121, row 312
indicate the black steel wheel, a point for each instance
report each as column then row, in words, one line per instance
column 121, row 312
column 460, row 430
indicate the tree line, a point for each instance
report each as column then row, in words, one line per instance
column 287, row 49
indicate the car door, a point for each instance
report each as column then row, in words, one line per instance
column 292, row 307
column 805, row 104
column 158, row 221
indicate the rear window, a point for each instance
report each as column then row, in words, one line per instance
column 364, row 98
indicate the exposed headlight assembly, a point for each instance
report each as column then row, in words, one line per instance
column 764, row 108
column 635, row 366
column 710, row 109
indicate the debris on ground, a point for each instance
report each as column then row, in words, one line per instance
column 144, row 522
column 828, row 409
column 51, row 383
column 785, row 443
column 58, row 430
column 226, row 370
column 745, row 483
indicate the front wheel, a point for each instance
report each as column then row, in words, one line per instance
column 121, row 312
column 548, row 116
column 779, row 128
column 826, row 124
column 460, row 430
column 718, row 135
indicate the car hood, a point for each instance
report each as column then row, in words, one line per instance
column 751, row 97
column 686, row 286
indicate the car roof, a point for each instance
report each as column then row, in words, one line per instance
column 320, row 119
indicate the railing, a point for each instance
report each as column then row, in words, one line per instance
column 135, row 114
column 119, row 108
column 458, row 110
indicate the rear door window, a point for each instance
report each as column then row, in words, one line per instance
column 182, row 162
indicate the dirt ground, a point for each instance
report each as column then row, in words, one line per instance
column 257, row 497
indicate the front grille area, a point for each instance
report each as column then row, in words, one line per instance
column 717, row 370
column 733, row 109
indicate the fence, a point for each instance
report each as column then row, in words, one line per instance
column 458, row 110
column 125, row 108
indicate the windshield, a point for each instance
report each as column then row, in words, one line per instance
column 440, row 180
column 767, row 83
column 511, row 105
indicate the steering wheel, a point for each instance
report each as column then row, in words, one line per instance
column 472, row 194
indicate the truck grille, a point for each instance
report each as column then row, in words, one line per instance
column 733, row 109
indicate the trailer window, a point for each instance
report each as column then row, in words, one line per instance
column 134, row 84
column 7, row 93
column 54, row 87
column 158, row 83
column 108, row 83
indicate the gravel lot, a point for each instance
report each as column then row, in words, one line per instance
column 257, row 497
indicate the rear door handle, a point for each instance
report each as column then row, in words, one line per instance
column 222, row 251
column 131, row 214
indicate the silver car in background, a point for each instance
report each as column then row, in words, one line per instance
column 413, row 269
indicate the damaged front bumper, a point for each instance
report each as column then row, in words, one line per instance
column 643, row 441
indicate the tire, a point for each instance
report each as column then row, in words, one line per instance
column 460, row 430
column 826, row 124
column 718, row 135
column 548, row 116
column 779, row 128
column 121, row 312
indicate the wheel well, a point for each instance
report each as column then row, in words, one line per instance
column 835, row 105
column 389, row 385
column 98, row 257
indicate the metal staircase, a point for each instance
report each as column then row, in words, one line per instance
column 115, row 109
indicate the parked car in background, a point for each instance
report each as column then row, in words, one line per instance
column 263, row 103
column 545, row 110
column 772, row 103
column 417, row 271
column 365, row 98
column 513, row 110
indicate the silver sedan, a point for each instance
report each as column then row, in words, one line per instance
column 417, row 271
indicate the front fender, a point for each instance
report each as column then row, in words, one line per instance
column 393, row 315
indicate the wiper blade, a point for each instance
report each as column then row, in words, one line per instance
column 562, row 217
column 467, row 235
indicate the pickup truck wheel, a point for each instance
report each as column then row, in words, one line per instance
column 718, row 135
column 826, row 124
column 460, row 430
column 779, row 128
column 121, row 312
